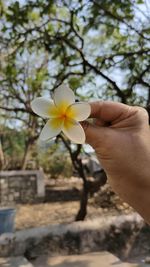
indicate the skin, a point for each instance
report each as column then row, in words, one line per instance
column 120, row 136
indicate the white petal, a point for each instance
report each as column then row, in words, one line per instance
column 51, row 129
column 80, row 111
column 63, row 95
column 74, row 131
column 41, row 106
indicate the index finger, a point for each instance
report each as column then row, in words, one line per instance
column 108, row 111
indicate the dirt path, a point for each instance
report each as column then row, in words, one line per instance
column 65, row 210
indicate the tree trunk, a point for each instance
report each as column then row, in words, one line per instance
column 83, row 204
column 148, row 99
column 84, row 197
column 78, row 166
column 2, row 160
column 26, row 155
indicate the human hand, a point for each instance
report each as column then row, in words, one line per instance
column 120, row 136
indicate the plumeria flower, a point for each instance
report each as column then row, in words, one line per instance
column 63, row 114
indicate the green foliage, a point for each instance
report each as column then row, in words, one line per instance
column 74, row 82
column 68, row 37
column 13, row 144
column 56, row 163
column 101, row 48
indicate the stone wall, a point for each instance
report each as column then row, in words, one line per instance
column 21, row 187
column 117, row 234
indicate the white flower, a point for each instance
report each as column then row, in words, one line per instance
column 63, row 114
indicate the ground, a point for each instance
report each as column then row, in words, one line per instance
column 62, row 203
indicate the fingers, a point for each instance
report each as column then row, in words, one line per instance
column 108, row 111
column 94, row 133
column 103, row 114
column 116, row 116
column 99, row 122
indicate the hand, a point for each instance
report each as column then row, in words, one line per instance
column 120, row 136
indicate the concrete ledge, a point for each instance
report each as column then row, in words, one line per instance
column 79, row 237
column 104, row 259
column 14, row 262
column 100, row 259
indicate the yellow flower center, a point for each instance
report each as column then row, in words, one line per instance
column 62, row 114
column 63, row 111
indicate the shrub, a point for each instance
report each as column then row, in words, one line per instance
column 55, row 163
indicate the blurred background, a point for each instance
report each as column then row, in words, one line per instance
column 102, row 50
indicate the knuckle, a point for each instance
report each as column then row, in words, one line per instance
column 141, row 114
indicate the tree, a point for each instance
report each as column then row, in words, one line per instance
column 101, row 48
column 1, row 156
column 20, row 84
